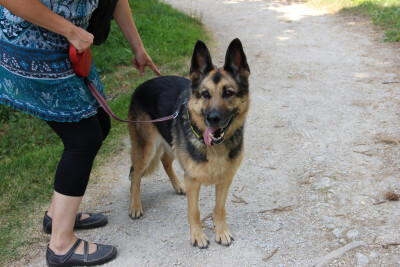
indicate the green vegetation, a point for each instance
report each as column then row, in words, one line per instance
column 29, row 150
column 384, row 13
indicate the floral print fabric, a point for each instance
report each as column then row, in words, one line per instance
column 36, row 74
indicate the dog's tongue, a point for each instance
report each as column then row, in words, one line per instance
column 207, row 135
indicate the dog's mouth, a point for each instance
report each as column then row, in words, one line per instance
column 215, row 136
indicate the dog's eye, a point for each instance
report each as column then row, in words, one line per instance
column 228, row 93
column 205, row 94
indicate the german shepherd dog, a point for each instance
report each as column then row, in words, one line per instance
column 206, row 136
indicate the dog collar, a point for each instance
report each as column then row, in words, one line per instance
column 199, row 137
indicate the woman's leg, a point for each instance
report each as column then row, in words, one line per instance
column 82, row 141
column 64, row 213
column 102, row 121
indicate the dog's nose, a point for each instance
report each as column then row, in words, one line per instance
column 213, row 117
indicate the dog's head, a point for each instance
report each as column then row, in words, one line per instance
column 219, row 96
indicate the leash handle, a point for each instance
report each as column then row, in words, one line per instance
column 81, row 62
column 108, row 110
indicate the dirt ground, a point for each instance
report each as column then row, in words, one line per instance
column 321, row 142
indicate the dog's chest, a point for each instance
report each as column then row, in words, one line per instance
column 218, row 168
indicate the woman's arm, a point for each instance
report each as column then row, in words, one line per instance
column 123, row 17
column 37, row 13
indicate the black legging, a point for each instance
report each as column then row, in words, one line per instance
column 82, row 140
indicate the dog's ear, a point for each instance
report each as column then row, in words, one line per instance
column 235, row 60
column 201, row 62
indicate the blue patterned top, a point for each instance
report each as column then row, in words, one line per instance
column 36, row 74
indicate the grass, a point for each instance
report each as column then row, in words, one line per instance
column 384, row 13
column 29, row 150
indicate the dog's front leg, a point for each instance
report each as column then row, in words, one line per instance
column 197, row 235
column 222, row 234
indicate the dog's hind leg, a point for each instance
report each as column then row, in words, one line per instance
column 197, row 235
column 167, row 161
column 135, row 207
column 222, row 234
column 142, row 153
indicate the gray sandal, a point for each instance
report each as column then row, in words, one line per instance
column 95, row 220
column 103, row 254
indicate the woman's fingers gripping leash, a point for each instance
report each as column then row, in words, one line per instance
column 81, row 39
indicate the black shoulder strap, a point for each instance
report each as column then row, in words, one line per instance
column 100, row 21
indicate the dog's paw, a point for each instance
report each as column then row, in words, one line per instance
column 135, row 212
column 180, row 190
column 223, row 236
column 199, row 239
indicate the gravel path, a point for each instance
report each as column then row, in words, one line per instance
column 322, row 146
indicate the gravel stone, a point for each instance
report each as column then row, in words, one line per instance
column 353, row 234
column 362, row 259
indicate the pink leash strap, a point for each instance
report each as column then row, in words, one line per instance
column 107, row 108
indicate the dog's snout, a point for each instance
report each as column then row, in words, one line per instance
column 213, row 117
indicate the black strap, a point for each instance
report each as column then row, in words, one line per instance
column 85, row 251
column 78, row 218
column 71, row 251
column 100, row 21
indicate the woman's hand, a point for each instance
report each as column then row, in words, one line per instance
column 123, row 17
column 143, row 60
column 37, row 13
column 80, row 38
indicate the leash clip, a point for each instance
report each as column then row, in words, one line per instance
column 175, row 115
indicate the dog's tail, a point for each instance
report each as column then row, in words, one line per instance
column 149, row 171
column 152, row 166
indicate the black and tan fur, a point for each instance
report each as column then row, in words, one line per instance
column 214, row 101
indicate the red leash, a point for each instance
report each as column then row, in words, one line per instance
column 107, row 108
column 82, row 64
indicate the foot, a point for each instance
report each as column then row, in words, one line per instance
column 135, row 210
column 179, row 188
column 198, row 238
column 63, row 248
column 223, row 236
column 84, row 216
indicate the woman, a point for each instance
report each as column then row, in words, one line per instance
column 36, row 77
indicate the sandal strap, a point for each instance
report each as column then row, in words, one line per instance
column 71, row 251
column 78, row 218
column 85, row 251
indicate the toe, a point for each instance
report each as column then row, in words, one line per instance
column 136, row 214
column 224, row 238
column 199, row 240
